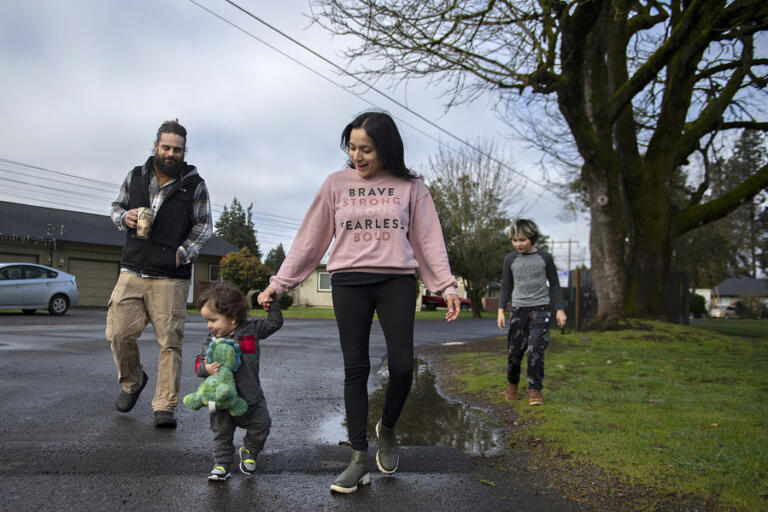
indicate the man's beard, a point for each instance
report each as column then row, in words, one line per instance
column 171, row 167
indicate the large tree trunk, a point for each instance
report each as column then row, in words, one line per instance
column 607, row 234
column 649, row 266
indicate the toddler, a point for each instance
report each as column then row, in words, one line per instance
column 225, row 308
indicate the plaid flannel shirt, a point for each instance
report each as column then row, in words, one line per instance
column 203, row 219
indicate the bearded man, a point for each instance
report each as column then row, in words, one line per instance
column 155, row 268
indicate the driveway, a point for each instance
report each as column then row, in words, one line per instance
column 65, row 447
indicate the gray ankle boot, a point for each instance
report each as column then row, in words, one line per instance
column 356, row 473
column 387, row 456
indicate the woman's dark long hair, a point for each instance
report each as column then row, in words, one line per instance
column 381, row 128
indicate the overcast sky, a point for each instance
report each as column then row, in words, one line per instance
column 86, row 84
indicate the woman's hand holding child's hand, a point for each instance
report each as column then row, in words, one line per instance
column 266, row 297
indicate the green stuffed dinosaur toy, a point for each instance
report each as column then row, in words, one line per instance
column 218, row 391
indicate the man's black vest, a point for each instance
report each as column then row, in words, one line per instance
column 156, row 256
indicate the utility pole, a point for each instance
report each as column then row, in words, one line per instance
column 570, row 243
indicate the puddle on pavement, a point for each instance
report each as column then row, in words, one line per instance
column 428, row 418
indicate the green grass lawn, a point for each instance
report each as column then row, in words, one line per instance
column 745, row 328
column 679, row 409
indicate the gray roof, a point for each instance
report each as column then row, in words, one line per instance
column 39, row 223
column 743, row 286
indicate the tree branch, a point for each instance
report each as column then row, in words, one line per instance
column 645, row 20
column 750, row 125
column 718, row 208
column 452, row 39
column 743, row 18
column 728, row 66
column 655, row 63
column 571, row 95
column 704, row 185
column 712, row 115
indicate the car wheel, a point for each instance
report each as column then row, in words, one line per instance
column 58, row 305
column 28, row 311
column 725, row 317
column 464, row 307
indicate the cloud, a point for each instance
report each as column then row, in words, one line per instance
column 86, row 84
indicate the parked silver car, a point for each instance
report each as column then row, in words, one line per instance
column 724, row 312
column 29, row 287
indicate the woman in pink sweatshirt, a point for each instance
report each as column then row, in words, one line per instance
column 386, row 229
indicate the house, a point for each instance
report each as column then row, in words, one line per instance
column 86, row 245
column 315, row 291
column 492, row 296
column 706, row 293
column 742, row 289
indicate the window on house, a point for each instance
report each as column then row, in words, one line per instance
column 323, row 281
column 213, row 273
column 493, row 293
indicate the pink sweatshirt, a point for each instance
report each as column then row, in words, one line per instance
column 382, row 224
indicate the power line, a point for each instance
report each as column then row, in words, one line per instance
column 308, row 68
column 47, row 180
column 113, row 188
column 55, row 172
column 268, row 226
column 45, row 187
column 37, row 201
column 359, row 80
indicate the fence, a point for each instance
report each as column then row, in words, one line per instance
column 581, row 300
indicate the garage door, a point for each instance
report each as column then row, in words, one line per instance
column 9, row 257
column 95, row 280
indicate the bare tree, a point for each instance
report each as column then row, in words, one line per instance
column 639, row 87
column 473, row 192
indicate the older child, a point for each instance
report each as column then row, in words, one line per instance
column 225, row 308
column 525, row 275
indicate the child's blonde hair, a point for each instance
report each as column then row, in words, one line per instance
column 527, row 228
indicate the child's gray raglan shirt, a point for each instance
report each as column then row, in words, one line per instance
column 525, row 277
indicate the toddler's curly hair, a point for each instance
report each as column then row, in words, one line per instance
column 226, row 299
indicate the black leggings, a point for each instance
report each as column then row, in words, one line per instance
column 394, row 300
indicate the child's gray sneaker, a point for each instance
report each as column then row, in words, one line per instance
column 219, row 473
column 247, row 461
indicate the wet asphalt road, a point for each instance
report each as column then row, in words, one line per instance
column 65, row 447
